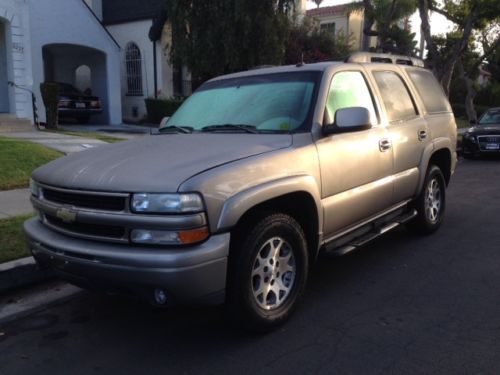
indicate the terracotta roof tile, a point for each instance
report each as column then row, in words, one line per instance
column 326, row 11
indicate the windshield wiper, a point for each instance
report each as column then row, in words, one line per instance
column 223, row 127
column 177, row 129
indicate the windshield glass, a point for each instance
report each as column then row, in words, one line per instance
column 490, row 117
column 267, row 103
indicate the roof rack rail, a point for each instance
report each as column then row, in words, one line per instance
column 261, row 67
column 369, row 57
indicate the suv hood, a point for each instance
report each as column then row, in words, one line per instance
column 157, row 163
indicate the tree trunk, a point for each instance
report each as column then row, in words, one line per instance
column 471, row 93
column 445, row 72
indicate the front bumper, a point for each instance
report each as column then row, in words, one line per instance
column 194, row 275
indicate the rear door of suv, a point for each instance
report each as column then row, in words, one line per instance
column 407, row 127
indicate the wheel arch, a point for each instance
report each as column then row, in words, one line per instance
column 298, row 197
column 438, row 153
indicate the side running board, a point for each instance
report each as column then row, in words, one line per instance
column 369, row 235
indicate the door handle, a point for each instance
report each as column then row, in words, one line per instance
column 384, row 144
column 422, row 134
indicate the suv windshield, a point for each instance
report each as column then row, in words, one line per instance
column 490, row 117
column 267, row 103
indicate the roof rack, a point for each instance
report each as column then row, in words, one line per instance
column 369, row 57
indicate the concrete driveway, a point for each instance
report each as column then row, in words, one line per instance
column 402, row 305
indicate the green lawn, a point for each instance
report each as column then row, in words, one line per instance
column 18, row 159
column 95, row 135
column 13, row 243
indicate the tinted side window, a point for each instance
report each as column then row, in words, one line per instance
column 397, row 99
column 430, row 91
column 349, row 89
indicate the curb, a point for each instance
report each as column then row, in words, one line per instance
column 20, row 273
column 39, row 298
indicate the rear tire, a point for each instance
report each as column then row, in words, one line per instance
column 268, row 269
column 431, row 203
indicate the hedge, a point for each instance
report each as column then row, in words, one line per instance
column 159, row 108
column 50, row 96
column 459, row 109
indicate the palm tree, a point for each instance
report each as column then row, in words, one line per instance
column 317, row 2
column 385, row 15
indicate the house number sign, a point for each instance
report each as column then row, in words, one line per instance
column 18, row 47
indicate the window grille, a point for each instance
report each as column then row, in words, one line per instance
column 133, row 62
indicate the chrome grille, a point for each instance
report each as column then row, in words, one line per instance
column 486, row 141
column 102, row 216
column 107, row 231
column 87, row 200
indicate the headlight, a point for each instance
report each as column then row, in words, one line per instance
column 166, row 203
column 34, row 188
column 470, row 137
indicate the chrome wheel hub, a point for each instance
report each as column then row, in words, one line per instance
column 273, row 273
column 433, row 200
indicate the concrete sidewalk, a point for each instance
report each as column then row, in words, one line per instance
column 64, row 143
column 15, row 203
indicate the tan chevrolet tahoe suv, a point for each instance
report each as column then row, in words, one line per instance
column 258, row 172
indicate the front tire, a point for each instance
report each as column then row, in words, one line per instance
column 268, row 269
column 431, row 203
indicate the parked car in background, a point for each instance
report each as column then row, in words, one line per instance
column 483, row 137
column 77, row 105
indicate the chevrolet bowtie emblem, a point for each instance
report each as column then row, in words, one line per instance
column 66, row 215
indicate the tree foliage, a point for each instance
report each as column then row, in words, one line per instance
column 382, row 20
column 307, row 43
column 468, row 16
column 213, row 37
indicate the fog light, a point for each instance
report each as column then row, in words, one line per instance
column 161, row 237
column 160, row 296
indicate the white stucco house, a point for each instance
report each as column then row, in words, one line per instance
column 116, row 48
column 338, row 19
column 142, row 30
column 52, row 40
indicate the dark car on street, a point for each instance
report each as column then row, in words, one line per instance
column 483, row 137
column 77, row 105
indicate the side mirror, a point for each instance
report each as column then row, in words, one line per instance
column 349, row 120
column 473, row 122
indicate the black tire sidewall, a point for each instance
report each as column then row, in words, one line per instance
column 240, row 290
column 424, row 225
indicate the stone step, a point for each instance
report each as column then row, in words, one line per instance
column 10, row 125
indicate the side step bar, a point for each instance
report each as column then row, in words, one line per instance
column 371, row 234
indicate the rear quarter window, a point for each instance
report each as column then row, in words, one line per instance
column 395, row 95
column 430, row 91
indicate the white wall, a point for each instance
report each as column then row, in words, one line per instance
column 136, row 32
column 15, row 15
column 70, row 22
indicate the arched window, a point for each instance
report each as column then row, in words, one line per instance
column 133, row 64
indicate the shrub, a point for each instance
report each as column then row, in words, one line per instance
column 50, row 96
column 459, row 109
column 159, row 108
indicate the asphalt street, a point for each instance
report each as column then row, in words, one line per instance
column 402, row 305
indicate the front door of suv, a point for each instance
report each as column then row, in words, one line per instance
column 356, row 167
